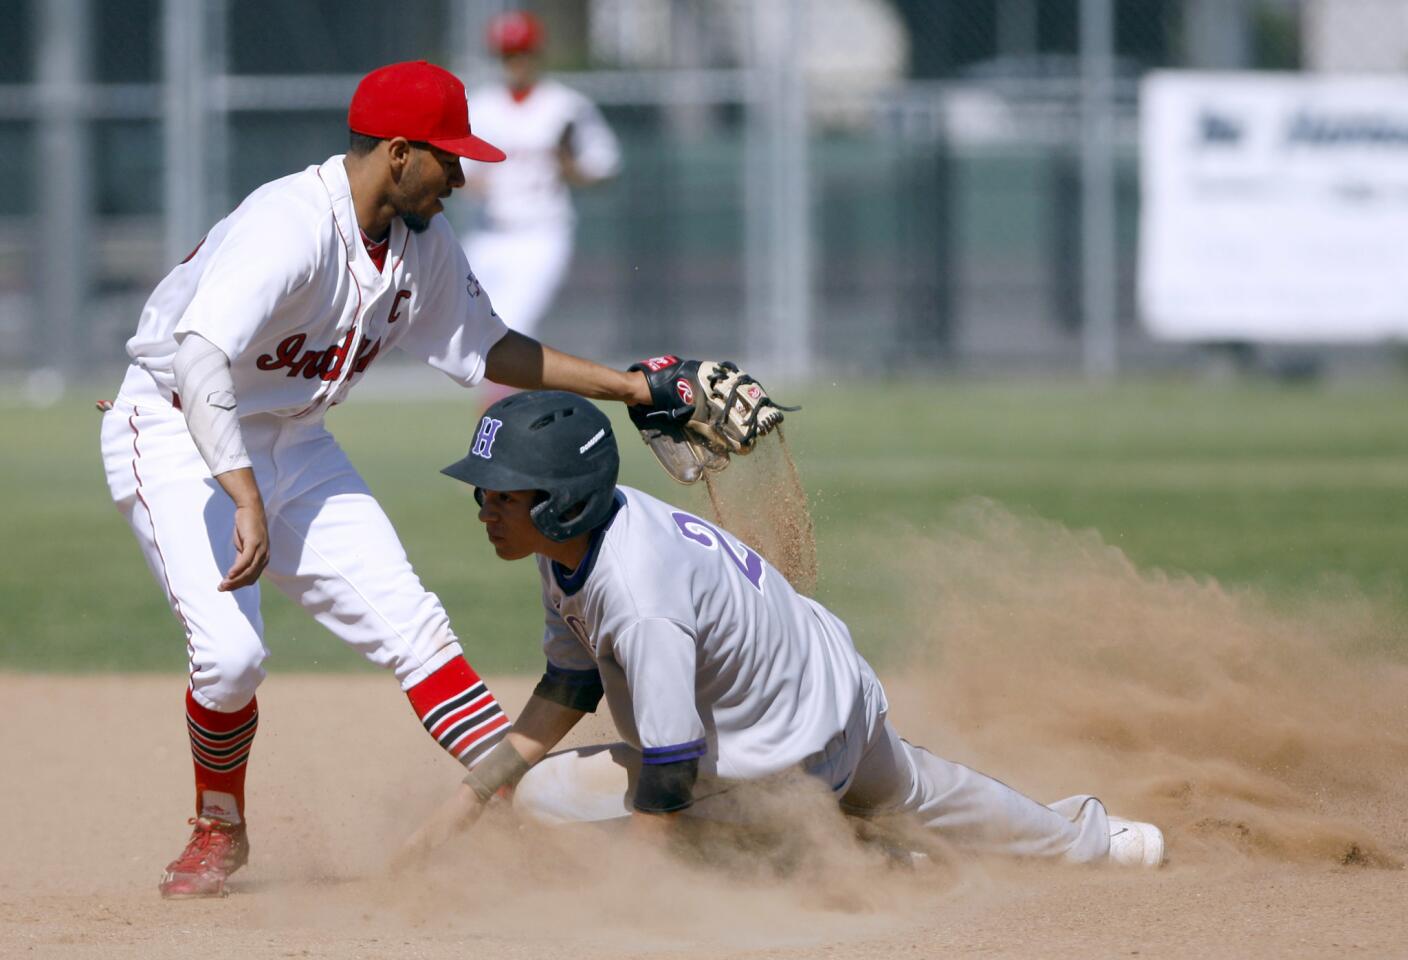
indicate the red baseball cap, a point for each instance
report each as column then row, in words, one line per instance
column 418, row 101
column 515, row 32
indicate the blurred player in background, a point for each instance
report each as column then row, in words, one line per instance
column 556, row 139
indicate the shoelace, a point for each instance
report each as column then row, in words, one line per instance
column 208, row 842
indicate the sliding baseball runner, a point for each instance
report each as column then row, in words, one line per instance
column 716, row 672
column 217, row 455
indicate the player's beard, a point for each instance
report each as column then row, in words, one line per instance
column 415, row 222
column 414, row 185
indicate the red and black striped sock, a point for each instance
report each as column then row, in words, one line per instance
column 458, row 710
column 220, row 744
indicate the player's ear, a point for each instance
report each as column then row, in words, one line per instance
column 398, row 154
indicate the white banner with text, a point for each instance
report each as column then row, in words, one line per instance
column 1274, row 207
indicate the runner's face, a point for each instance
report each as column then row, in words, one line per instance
column 508, row 522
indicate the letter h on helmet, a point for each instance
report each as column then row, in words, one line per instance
column 484, row 440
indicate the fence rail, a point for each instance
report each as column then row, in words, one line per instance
column 864, row 186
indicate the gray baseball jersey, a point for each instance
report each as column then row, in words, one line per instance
column 703, row 649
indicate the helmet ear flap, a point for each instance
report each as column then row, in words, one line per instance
column 573, row 510
column 543, row 513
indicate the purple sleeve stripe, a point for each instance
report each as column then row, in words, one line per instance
column 674, row 753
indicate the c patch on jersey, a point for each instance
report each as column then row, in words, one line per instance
column 484, row 439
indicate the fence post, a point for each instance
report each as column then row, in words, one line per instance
column 1099, row 258
column 63, row 185
column 783, row 328
column 185, row 145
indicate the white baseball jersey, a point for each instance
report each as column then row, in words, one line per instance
column 703, row 649
column 285, row 287
column 527, row 189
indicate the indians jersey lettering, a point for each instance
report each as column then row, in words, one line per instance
column 286, row 289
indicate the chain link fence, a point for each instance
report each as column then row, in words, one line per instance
column 854, row 186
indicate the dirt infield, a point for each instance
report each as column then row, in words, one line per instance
column 97, row 785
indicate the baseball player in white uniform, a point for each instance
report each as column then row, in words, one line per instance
column 556, row 140
column 715, row 670
column 216, row 452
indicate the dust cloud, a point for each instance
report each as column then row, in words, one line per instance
column 1044, row 657
column 763, row 503
column 800, row 876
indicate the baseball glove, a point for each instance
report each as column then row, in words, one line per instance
column 702, row 412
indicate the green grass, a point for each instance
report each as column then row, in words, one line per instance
column 1257, row 485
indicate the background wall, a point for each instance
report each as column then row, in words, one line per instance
column 862, row 187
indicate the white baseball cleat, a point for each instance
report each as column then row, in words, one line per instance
column 1135, row 844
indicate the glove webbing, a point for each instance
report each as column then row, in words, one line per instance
column 740, row 380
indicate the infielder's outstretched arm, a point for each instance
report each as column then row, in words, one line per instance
column 522, row 362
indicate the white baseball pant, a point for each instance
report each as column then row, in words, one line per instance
column 332, row 548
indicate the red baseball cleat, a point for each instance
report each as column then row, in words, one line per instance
column 216, row 850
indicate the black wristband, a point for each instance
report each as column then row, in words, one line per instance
column 575, row 690
column 666, row 787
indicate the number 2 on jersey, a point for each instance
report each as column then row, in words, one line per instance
column 709, row 536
